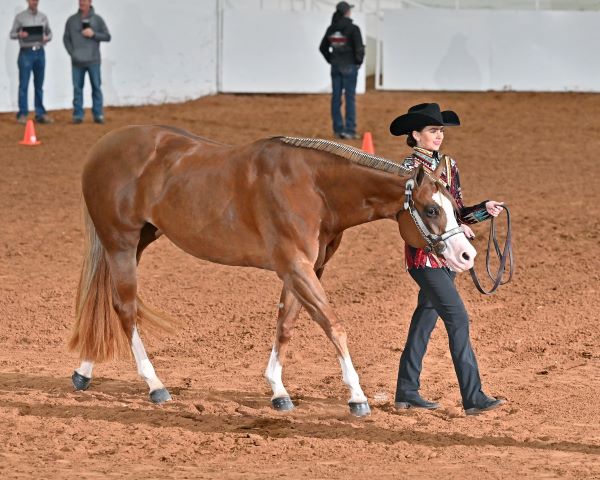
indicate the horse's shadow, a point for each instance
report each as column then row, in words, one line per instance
column 253, row 414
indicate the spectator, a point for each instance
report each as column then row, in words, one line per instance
column 31, row 58
column 343, row 48
column 83, row 33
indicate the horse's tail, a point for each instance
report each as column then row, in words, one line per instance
column 99, row 334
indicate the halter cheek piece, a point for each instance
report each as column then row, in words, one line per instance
column 435, row 243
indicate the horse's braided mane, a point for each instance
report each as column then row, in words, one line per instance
column 351, row 153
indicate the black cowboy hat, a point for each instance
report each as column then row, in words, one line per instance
column 422, row 115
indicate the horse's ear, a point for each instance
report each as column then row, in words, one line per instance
column 440, row 168
column 418, row 175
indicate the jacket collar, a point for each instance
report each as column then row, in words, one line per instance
column 430, row 158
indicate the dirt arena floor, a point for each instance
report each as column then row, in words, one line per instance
column 537, row 340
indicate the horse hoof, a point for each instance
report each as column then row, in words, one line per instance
column 80, row 382
column 161, row 395
column 282, row 404
column 359, row 409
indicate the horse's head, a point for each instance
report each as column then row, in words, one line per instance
column 428, row 221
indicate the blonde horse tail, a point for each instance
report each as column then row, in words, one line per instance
column 98, row 334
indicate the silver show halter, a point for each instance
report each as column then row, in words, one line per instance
column 435, row 243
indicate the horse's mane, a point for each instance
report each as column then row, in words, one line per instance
column 351, row 153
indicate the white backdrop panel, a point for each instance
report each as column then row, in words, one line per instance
column 156, row 55
column 437, row 49
column 430, row 50
column 545, row 51
column 277, row 52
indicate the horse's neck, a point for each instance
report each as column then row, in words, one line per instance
column 360, row 194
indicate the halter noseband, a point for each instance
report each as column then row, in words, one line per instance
column 435, row 243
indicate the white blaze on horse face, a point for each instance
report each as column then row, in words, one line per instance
column 459, row 253
column 273, row 375
column 350, row 378
column 144, row 367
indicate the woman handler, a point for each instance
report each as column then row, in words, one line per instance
column 424, row 125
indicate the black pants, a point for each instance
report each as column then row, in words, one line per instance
column 438, row 297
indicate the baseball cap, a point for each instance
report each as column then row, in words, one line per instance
column 343, row 7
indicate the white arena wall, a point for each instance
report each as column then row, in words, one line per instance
column 182, row 49
column 274, row 51
column 474, row 50
column 160, row 52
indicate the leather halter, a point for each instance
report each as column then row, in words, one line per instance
column 435, row 243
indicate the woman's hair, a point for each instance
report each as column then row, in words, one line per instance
column 410, row 140
column 337, row 16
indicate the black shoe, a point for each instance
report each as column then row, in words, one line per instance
column 99, row 119
column 414, row 400
column 44, row 119
column 22, row 119
column 489, row 403
column 350, row 135
column 338, row 135
column 77, row 120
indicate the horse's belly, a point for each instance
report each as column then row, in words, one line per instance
column 218, row 245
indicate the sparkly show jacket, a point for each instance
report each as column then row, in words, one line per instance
column 417, row 257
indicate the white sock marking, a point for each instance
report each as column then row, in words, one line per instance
column 144, row 367
column 273, row 375
column 350, row 378
column 85, row 369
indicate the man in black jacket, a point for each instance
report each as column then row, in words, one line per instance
column 343, row 48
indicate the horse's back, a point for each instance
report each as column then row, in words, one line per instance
column 204, row 196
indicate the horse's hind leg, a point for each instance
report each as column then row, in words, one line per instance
column 82, row 376
column 158, row 392
column 123, row 266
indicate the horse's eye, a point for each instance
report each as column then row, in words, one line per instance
column 432, row 212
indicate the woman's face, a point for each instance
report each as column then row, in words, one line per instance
column 430, row 138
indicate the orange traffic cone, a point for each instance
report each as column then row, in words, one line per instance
column 29, row 138
column 367, row 144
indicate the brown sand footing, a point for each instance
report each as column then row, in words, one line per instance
column 537, row 340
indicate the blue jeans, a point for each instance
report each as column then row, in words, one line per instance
column 31, row 61
column 343, row 79
column 78, row 80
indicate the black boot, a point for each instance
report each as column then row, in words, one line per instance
column 485, row 404
column 414, row 400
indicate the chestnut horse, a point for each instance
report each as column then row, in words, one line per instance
column 278, row 203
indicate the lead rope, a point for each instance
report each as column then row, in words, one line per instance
column 502, row 257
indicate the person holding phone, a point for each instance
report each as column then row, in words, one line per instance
column 32, row 29
column 83, row 33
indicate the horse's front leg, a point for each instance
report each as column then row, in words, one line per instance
column 289, row 307
column 302, row 280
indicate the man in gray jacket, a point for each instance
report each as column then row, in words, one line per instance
column 83, row 33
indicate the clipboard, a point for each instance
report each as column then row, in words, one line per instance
column 35, row 33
